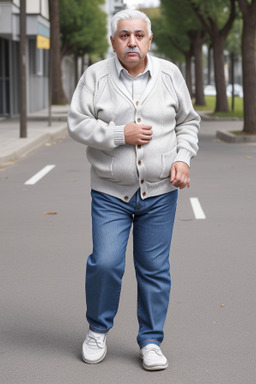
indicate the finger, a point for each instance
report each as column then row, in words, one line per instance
column 184, row 184
column 146, row 131
column 144, row 140
column 146, row 126
column 146, row 135
column 173, row 174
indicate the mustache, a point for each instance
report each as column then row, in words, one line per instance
column 135, row 49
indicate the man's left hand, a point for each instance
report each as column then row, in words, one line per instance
column 180, row 175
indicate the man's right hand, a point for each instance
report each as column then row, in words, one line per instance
column 137, row 134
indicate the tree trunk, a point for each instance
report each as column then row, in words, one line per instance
column 218, row 53
column 249, row 73
column 199, row 77
column 209, row 64
column 188, row 57
column 218, row 38
column 22, row 67
column 232, row 78
column 58, row 96
column 76, row 69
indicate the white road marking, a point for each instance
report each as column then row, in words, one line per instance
column 196, row 206
column 39, row 175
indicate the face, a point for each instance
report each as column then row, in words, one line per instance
column 131, row 43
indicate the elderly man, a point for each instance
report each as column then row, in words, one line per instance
column 134, row 114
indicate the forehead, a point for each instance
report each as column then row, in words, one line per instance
column 132, row 25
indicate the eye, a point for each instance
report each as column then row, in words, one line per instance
column 123, row 35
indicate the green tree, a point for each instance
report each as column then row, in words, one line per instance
column 233, row 45
column 248, row 10
column 182, row 30
column 162, row 40
column 217, row 17
column 83, row 27
column 176, row 39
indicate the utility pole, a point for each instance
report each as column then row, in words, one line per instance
column 23, row 90
column 50, row 87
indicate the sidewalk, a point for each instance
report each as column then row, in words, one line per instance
column 227, row 128
column 12, row 147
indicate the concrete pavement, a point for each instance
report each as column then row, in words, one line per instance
column 210, row 328
column 12, row 147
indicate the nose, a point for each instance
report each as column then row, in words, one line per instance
column 132, row 41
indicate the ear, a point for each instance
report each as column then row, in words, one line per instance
column 112, row 42
column 150, row 41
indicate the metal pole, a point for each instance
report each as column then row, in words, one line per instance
column 50, row 88
column 23, row 91
column 233, row 80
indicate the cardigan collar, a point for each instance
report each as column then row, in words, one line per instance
column 120, row 68
column 154, row 71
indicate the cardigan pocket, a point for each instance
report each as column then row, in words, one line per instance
column 102, row 163
column 166, row 163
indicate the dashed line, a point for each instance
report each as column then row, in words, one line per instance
column 39, row 175
column 196, row 206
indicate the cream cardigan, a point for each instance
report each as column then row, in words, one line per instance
column 101, row 107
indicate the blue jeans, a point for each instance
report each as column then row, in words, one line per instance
column 152, row 220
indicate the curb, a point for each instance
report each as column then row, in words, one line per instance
column 27, row 145
column 206, row 117
column 230, row 137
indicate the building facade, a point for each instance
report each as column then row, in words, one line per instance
column 37, row 44
column 110, row 8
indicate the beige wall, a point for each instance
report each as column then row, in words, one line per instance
column 38, row 7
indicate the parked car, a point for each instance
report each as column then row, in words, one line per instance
column 238, row 90
column 210, row 90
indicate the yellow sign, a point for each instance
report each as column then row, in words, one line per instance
column 42, row 42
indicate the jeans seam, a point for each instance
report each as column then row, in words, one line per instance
column 118, row 293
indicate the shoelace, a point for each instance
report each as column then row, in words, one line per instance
column 92, row 340
column 156, row 350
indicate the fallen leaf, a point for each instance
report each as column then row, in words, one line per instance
column 50, row 213
column 222, row 305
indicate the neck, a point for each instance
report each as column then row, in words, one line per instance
column 136, row 69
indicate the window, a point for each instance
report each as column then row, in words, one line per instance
column 36, row 59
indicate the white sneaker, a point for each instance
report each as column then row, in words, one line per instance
column 153, row 358
column 94, row 347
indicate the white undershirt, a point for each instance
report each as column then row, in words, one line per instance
column 134, row 85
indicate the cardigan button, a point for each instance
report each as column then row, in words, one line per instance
column 142, row 181
column 139, row 146
column 126, row 198
column 137, row 103
column 139, row 162
column 139, row 120
column 144, row 194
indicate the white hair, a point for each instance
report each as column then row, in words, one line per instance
column 129, row 14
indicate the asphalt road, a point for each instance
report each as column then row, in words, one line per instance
column 45, row 238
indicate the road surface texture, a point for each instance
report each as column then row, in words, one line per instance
column 45, row 238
